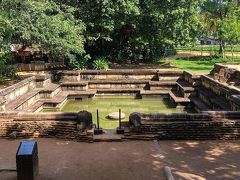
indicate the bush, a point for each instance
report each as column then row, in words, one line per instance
column 7, row 71
column 100, row 63
column 82, row 63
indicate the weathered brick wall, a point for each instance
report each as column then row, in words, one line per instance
column 204, row 126
column 60, row 125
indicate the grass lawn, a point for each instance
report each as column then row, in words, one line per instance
column 198, row 65
column 228, row 48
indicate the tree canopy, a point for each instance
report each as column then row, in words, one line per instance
column 45, row 25
column 120, row 30
column 136, row 29
column 219, row 17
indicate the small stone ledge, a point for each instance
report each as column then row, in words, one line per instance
column 119, row 72
column 176, row 96
column 162, row 83
column 154, row 92
column 170, row 73
column 185, row 86
column 175, row 117
column 123, row 72
column 46, row 116
column 118, row 82
column 82, row 83
column 130, row 91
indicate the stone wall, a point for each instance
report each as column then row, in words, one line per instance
column 118, row 85
column 60, row 125
column 18, row 89
column 39, row 66
column 204, row 126
column 87, row 75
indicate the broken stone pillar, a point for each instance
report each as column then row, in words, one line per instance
column 135, row 119
column 84, row 120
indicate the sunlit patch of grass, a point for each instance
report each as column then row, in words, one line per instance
column 198, row 64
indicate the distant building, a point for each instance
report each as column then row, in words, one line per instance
column 25, row 54
column 211, row 40
column 32, row 58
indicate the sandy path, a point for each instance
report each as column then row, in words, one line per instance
column 193, row 160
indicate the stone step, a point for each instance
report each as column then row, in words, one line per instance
column 107, row 136
column 103, row 91
column 154, row 92
column 50, row 88
column 183, row 136
column 54, row 101
column 76, row 86
column 13, row 105
column 78, row 93
column 162, row 85
column 185, row 86
column 131, row 81
column 177, row 98
column 34, row 107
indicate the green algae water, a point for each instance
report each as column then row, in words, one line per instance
column 128, row 104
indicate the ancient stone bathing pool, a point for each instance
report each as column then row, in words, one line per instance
column 215, row 98
column 128, row 104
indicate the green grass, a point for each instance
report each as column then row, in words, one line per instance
column 209, row 48
column 198, row 65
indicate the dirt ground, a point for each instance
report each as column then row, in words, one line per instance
column 134, row 160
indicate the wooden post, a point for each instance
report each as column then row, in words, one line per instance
column 97, row 119
column 120, row 130
column 120, row 124
column 98, row 130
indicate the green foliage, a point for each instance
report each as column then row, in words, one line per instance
column 100, row 63
column 44, row 24
column 7, row 71
column 221, row 19
column 136, row 30
column 231, row 25
column 81, row 63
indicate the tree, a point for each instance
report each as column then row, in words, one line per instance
column 6, row 32
column 43, row 23
column 136, row 29
column 215, row 12
column 231, row 26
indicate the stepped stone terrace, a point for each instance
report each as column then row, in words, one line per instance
column 213, row 98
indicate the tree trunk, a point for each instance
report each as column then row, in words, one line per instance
column 222, row 48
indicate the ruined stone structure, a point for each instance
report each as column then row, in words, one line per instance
column 215, row 97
